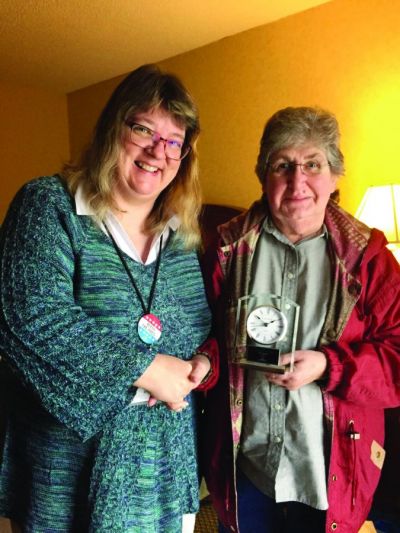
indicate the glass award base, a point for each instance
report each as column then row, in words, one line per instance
column 262, row 354
column 256, row 365
column 263, row 358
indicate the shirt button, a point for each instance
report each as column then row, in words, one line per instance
column 331, row 334
column 333, row 526
column 290, row 275
column 277, row 439
column 334, row 478
column 354, row 289
column 278, row 406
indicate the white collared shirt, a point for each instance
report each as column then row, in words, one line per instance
column 119, row 234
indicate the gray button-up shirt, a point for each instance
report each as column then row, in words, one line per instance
column 282, row 437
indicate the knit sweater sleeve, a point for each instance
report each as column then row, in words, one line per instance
column 82, row 371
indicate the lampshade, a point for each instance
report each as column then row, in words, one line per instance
column 380, row 208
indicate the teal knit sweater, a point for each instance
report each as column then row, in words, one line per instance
column 77, row 457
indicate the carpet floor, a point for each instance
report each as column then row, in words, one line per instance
column 206, row 520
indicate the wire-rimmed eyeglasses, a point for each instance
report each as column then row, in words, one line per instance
column 147, row 138
column 309, row 168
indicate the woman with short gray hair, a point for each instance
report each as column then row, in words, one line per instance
column 293, row 439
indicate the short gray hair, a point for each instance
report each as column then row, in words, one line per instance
column 294, row 126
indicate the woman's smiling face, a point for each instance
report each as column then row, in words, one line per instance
column 143, row 173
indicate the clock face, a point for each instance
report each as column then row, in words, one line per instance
column 266, row 324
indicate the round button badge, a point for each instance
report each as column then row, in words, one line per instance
column 149, row 328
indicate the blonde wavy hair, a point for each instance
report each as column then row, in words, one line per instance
column 144, row 89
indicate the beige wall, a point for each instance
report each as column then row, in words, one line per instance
column 33, row 137
column 343, row 55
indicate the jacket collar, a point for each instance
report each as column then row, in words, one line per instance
column 349, row 236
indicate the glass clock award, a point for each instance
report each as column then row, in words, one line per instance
column 266, row 328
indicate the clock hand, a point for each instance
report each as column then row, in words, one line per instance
column 265, row 324
column 261, row 320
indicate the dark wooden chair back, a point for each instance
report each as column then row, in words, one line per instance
column 211, row 216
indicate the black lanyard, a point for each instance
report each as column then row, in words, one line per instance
column 146, row 309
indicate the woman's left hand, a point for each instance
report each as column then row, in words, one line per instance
column 200, row 368
column 309, row 366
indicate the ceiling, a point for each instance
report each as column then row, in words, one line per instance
column 66, row 45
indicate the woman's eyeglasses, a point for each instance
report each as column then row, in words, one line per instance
column 309, row 168
column 146, row 138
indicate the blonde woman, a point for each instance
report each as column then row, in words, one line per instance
column 102, row 310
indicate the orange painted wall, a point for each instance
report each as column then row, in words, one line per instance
column 33, row 137
column 343, row 55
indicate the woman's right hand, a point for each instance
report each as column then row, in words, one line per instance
column 167, row 378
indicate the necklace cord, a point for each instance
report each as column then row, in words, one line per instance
column 146, row 309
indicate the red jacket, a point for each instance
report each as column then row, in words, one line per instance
column 361, row 340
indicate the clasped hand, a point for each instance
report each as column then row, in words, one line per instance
column 169, row 379
column 309, row 366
